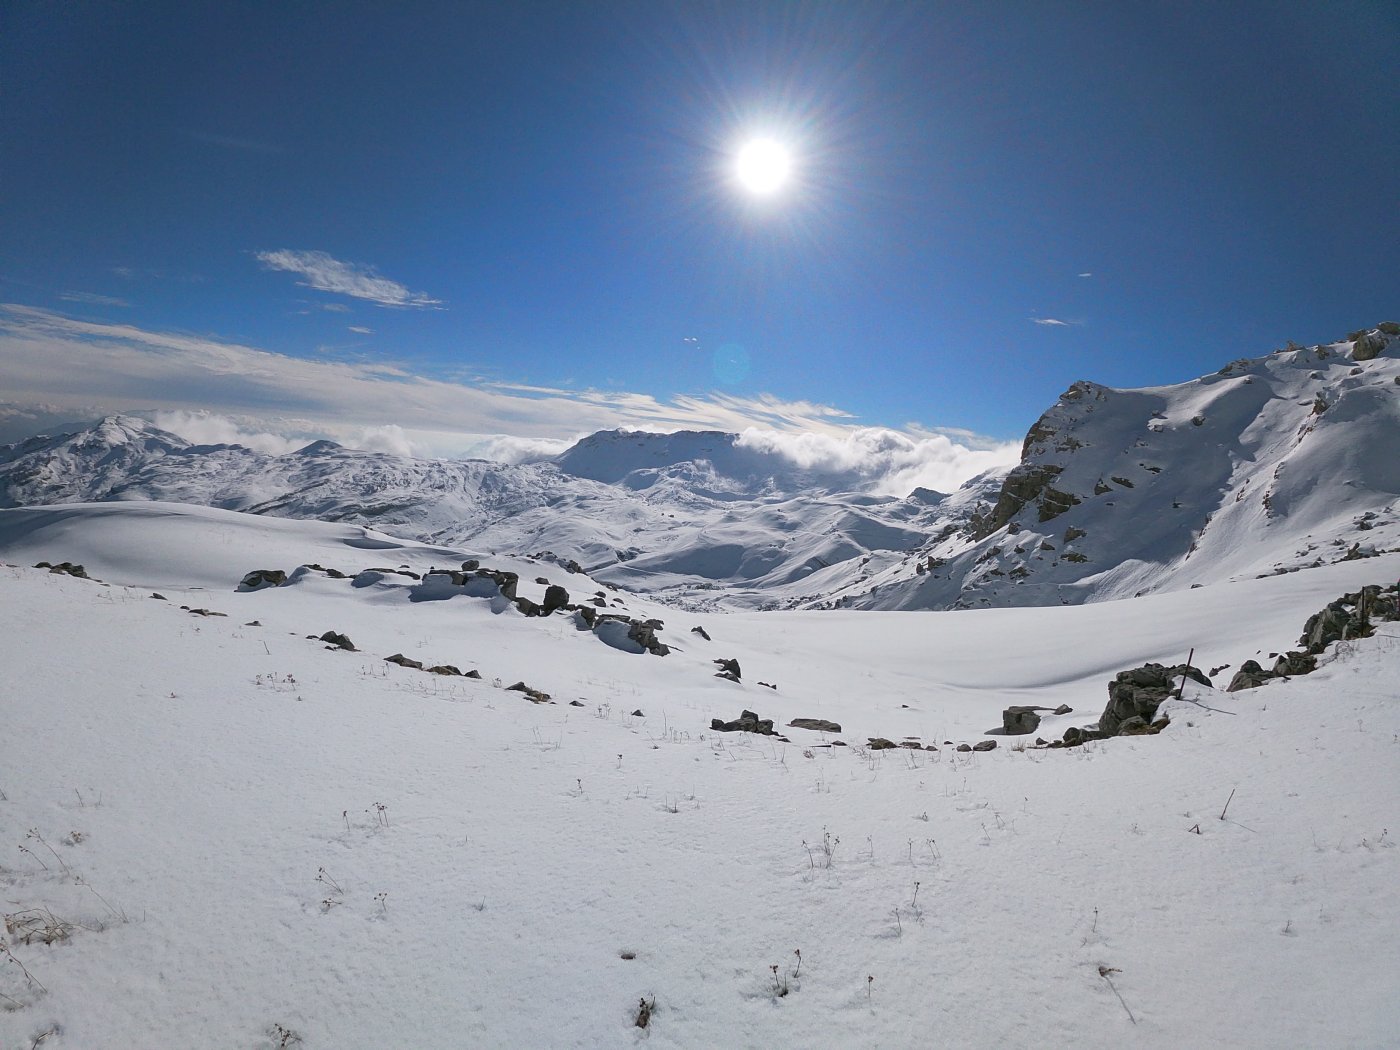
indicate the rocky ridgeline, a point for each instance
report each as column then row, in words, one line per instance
column 618, row 630
column 1134, row 696
column 1353, row 615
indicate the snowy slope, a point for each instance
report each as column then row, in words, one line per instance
column 199, row 801
column 1264, row 467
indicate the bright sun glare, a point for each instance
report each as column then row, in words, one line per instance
column 763, row 166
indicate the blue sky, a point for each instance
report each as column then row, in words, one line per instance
column 537, row 200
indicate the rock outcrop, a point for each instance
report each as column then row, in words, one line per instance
column 1139, row 692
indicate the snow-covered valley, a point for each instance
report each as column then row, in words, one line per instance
column 223, row 827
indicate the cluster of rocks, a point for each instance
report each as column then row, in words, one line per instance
column 622, row 631
column 616, row 629
column 747, row 722
column 65, row 568
column 535, row 696
column 1353, row 615
column 728, row 669
column 1133, row 699
column 442, row 669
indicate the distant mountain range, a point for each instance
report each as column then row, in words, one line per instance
column 1267, row 466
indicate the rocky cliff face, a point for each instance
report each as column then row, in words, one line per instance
column 1269, row 465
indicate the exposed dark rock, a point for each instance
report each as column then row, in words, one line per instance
column 879, row 743
column 576, row 703
column 644, row 634
column 253, row 623
column 638, row 713
column 820, row 725
column 1367, row 346
column 1140, row 691
column 985, row 745
column 1063, row 709
column 445, row 669
column 534, row 695
column 1295, row 663
column 202, row 612
column 701, row 632
column 404, row 661
column 1072, row 534
column 542, row 581
column 159, row 597
column 1018, row 721
column 1350, row 616
column 340, row 641
column 555, row 597
column 470, row 565
column 964, row 747
column 747, row 722
column 728, row 669
column 65, row 568
column 1028, row 483
column 527, row 607
column 472, row 674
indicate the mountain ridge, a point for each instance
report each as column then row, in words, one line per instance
column 1269, row 465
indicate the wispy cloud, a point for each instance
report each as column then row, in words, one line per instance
column 1053, row 322
column 92, row 299
column 360, row 329
column 1086, row 275
column 327, row 274
column 209, row 390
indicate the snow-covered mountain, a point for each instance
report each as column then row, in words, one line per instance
column 1269, row 465
column 677, row 514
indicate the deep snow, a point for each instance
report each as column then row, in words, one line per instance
column 199, row 774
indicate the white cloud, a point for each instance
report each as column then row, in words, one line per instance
column 92, row 299
column 1053, row 322
column 209, row 391
column 208, row 428
column 361, row 329
column 327, row 274
column 897, row 462
column 1086, row 275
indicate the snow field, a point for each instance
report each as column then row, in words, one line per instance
column 214, row 771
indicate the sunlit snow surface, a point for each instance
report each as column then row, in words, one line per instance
column 194, row 776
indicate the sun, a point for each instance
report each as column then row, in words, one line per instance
column 763, row 167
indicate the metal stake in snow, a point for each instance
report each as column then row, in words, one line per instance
column 1182, row 687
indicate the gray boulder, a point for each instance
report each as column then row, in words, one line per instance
column 263, row 578
column 555, row 597
column 1140, row 691
column 1019, row 721
column 1295, row 663
column 1249, row 676
column 820, row 725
